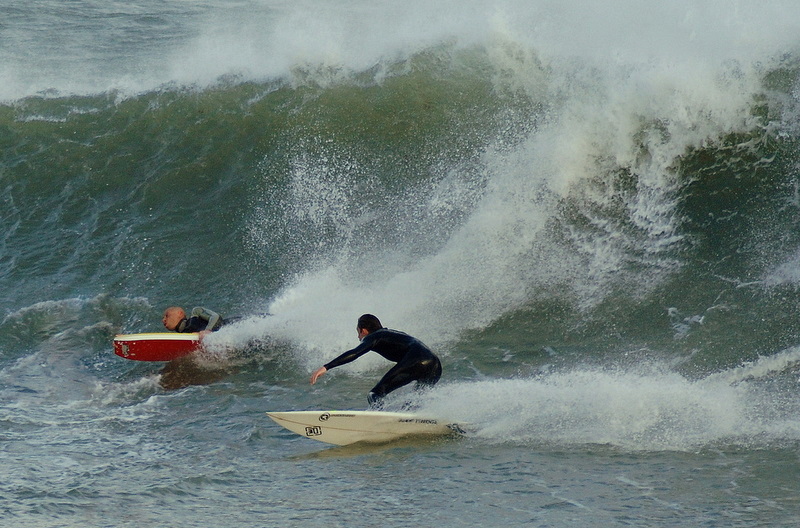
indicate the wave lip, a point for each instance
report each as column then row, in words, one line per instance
column 93, row 48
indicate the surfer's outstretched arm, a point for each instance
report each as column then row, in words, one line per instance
column 317, row 373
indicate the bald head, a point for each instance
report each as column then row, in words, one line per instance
column 172, row 317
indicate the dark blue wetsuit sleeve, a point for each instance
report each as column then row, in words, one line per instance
column 351, row 355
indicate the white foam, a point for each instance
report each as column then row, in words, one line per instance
column 658, row 410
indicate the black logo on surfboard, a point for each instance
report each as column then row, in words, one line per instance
column 314, row 431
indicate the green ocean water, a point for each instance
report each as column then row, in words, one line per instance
column 596, row 231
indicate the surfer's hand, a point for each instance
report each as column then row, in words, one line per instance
column 203, row 334
column 317, row 373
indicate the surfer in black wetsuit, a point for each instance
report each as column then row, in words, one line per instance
column 201, row 320
column 415, row 361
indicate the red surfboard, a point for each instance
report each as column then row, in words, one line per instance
column 159, row 346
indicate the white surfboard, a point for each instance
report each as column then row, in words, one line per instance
column 349, row 427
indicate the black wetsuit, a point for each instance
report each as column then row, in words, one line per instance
column 415, row 361
column 199, row 321
column 195, row 324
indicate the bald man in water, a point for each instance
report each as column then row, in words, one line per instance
column 186, row 371
column 202, row 320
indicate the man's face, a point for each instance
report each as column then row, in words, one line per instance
column 172, row 318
